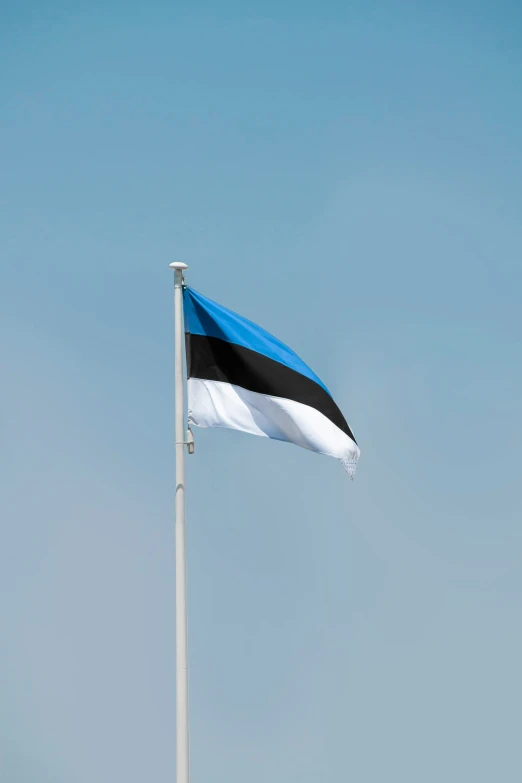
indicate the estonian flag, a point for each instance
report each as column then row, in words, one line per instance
column 241, row 377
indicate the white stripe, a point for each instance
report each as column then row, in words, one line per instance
column 218, row 404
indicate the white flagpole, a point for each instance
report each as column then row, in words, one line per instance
column 182, row 733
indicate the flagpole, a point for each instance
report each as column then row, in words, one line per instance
column 182, row 733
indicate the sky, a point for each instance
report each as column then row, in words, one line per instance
column 349, row 176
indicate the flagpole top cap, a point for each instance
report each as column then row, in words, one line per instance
column 178, row 265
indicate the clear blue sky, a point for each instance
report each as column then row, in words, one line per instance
column 348, row 175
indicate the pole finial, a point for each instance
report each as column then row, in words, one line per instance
column 178, row 265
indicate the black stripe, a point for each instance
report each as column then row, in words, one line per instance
column 213, row 359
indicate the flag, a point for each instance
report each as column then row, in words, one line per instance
column 243, row 378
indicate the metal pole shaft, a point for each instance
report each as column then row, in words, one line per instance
column 182, row 733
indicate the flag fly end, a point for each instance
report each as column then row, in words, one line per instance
column 350, row 466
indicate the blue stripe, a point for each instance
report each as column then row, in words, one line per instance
column 203, row 316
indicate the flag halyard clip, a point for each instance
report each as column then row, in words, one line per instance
column 189, row 443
